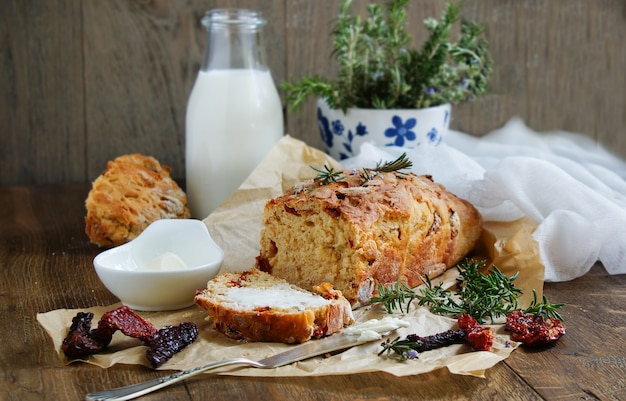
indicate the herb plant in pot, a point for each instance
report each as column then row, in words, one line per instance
column 387, row 93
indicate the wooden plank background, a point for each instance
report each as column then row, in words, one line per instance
column 83, row 81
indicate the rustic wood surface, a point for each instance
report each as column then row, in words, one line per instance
column 45, row 264
column 82, row 82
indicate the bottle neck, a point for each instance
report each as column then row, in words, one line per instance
column 233, row 40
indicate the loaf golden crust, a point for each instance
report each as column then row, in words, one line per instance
column 255, row 306
column 355, row 235
column 134, row 191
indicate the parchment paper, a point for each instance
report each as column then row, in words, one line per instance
column 236, row 226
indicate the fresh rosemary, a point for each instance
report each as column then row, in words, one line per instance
column 329, row 175
column 401, row 163
column 479, row 295
column 378, row 69
column 544, row 308
column 483, row 296
column 395, row 296
column 412, row 345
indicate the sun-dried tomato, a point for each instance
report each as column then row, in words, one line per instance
column 80, row 340
column 478, row 337
column 438, row 340
column 534, row 330
column 163, row 344
column 239, row 281
column 128, row 322
column 170, row 340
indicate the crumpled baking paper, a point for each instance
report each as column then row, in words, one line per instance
column 236, row 226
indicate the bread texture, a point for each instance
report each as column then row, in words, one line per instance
column 356, row 233
column 134, row 191
column 256, row 306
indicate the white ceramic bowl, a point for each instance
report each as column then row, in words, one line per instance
column 163, row 267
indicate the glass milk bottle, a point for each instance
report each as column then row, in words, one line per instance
column 234, row 114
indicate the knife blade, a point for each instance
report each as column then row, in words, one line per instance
column 310, row 349
column 360, row 334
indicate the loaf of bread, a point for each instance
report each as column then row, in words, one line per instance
column 256, row 306
column 134, row 191
column 356, row 233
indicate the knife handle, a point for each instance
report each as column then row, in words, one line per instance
column 136, row 390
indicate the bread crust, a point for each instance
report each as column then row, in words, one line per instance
column 271, row 322
column 134, row 191
column 356, row 235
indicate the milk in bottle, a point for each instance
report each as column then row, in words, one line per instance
column 234, row 114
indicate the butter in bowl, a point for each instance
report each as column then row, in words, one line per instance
column 163, row 267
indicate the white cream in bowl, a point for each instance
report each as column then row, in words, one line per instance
column 163, row 267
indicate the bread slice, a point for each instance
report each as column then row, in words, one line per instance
column 256, row 306
column 356, row 233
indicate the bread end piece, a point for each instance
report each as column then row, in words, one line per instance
column 133, row 192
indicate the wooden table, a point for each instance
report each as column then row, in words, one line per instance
column 45, row 264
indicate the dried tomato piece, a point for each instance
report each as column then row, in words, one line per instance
column 128, row 322
column 163, row 344
column 481, row 338
column 478, row 337
column 170, row 340
column 534, row 330
column 80, row 340
column 437, row 340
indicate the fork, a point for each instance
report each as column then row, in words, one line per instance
column 139, row 389
column 300, row 352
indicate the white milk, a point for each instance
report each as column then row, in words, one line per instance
column 234, row 117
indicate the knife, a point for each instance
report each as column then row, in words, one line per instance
column 372, row 331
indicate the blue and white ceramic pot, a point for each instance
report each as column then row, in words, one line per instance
column 343, row 133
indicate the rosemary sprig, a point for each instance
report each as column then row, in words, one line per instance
column 394, row 296
column 328, row 175
column 378, row 67
column 479, row 295
column 441, row 300
column 544, row 308
column 401, row 163
column 412, row 345
column 404, row 348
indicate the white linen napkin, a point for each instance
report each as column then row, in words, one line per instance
column 573, row 188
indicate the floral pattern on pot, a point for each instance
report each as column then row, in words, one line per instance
column 401, row 130
column 343, row 133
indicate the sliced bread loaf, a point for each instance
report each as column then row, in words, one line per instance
column 256, row 306
column 357, row 234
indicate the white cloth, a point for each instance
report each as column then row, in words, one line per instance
column 573, row 188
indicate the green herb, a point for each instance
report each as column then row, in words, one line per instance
column 404, row 348
column 376, row 69
column 401, row 163
column 545, row 308
column 412, row 345
column 327, row 175
column 394, row 296
column 477, row 294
